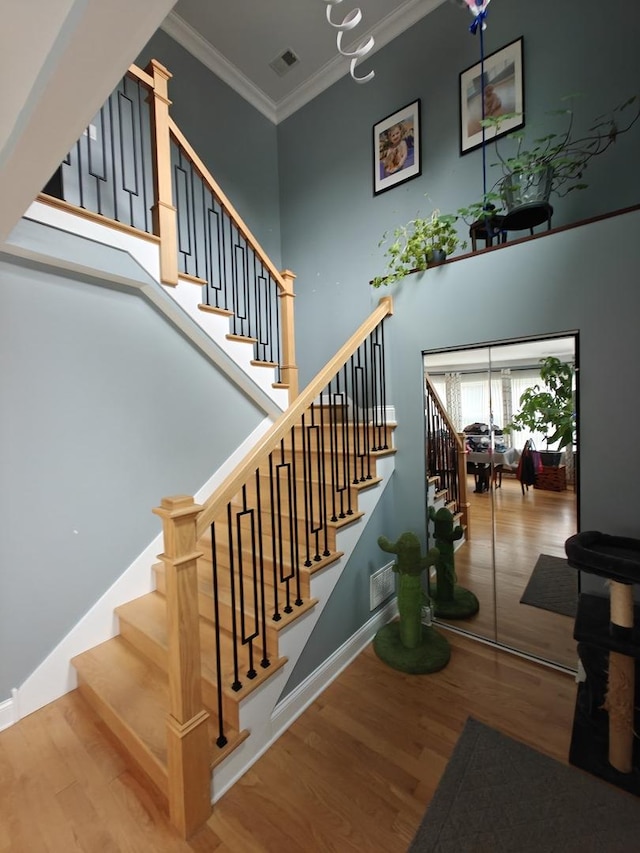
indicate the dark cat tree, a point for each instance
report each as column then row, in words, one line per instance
column 608, row 634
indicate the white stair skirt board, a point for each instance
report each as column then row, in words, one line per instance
column 55, row 676
column 217, row 326
column 259, row 712
column 185, row 297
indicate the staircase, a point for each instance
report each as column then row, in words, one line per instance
column 190, row 684
column 244, row 588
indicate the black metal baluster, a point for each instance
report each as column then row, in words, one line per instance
column 221, row 740
column 247, row 637
column 237, row 684
column 322, row 474
column 265, row 662
column 277, row 616
column 347, row 431
column 307, row 519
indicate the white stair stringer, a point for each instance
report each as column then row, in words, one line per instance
column 178, row 303
column 217, row 326
column 260, row 713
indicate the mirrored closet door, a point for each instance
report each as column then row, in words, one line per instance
column 516, row 503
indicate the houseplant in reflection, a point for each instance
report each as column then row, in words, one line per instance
column 549, row 408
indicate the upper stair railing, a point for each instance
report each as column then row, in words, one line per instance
column 134, row 169
column 269, row 525
column 446, row 453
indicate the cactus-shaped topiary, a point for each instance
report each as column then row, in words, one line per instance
column 409, row 566
column 451, row 601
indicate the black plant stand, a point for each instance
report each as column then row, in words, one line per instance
column 527, row 216
column 608, row 634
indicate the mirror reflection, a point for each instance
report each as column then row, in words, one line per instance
column 501, row 449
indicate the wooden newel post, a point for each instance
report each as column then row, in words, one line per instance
column 165, row 224
column 289, row 366
column 187, row 731
column 621, row 684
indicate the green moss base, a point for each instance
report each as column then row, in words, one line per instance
column 464, row 604
column 432, row 654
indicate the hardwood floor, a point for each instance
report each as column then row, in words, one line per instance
column 537, row 522
column 355, row 772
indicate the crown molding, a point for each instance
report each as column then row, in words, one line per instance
column 389, row 28
column 384, row 32
column 204, row 51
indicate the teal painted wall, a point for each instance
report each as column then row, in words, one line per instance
column 332, row 223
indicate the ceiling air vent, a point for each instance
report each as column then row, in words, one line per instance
column 284, row 62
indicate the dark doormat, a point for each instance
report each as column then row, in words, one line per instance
column 499, row 796
column 553, row 585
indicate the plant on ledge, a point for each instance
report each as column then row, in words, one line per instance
column 550, row 409
column 419, row 244
column 556, row 163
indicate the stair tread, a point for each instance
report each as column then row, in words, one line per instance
column 148, row 615
column 137, row 691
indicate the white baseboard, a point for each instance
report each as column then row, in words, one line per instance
column 8, row 712
column 56, row 676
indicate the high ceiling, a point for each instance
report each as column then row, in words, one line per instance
column 237, row 40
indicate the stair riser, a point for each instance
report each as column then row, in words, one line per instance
column 205, row 566
column 288, row 528
column 340, row 435
column 155, row 651
column 206, row 609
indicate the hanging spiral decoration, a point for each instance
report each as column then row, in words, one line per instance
column 348, row 23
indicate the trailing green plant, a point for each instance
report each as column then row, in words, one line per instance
column 414, row 246
column 564, row 153
column 489, row 206
column 549, row 409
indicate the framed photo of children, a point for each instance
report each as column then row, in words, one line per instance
column 499, row 92
column 396, row 148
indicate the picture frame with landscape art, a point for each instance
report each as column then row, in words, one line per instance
column 503, row 93
column 396, row 148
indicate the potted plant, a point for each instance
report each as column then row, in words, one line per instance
column 549, row 409
column 555, row 163
column 419, row 244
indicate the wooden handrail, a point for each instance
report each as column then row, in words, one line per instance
column 212, row 184
column 260, row 453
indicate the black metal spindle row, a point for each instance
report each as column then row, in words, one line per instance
column 280, row 522
column 442, row 450
column 212, row 248
column 109, row 171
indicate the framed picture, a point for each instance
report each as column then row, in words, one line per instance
column 502, row 92
column 396, row 148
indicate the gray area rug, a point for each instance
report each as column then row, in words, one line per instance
column 553, row 585
column 499, row 796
